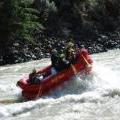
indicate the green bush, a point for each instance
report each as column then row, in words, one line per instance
column 18, row 20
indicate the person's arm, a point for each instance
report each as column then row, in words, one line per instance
column 66, row 62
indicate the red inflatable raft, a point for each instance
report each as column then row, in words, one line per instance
column 33, row 91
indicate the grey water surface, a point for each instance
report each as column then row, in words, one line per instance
column 92, row 97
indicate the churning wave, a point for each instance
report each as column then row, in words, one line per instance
column 94, row 96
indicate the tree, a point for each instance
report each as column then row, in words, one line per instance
column 19, row 19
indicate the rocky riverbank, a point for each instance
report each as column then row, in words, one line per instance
column 27, row 52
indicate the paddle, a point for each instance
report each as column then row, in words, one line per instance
column 74, row 69
column 88, row 67
column 9, row 101
column 88, row 64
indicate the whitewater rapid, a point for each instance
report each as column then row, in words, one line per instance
column 93, row 97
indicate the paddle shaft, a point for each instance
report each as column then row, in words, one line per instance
column 86, row 61
column 8, row 101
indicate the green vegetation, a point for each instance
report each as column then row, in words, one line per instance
column 18, row 20
column 27, row 26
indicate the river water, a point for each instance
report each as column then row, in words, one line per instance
column 94, row 97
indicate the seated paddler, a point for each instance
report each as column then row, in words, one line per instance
column 62, row 58
column 70, row 53
column 35, row 78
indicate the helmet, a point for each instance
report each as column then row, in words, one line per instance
column 62, row 56
column 70, row 45
column 54, row 51
column 34, row 70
